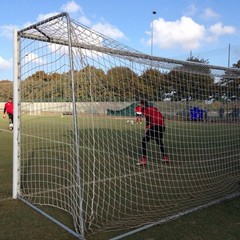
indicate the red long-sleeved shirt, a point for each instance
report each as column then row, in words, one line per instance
column 8, row 107
column 153, row 117
column 138, row 109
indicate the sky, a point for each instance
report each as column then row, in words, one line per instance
column 206, row 29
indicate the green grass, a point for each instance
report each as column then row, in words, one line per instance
column 17, row 221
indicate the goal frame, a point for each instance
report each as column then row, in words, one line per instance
column 17, row 118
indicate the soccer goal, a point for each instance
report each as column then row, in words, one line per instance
column 77, row 140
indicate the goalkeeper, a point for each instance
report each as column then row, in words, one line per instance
column 8, row 108
column 155, row 128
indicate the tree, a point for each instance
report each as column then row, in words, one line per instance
column 153, row 84
column 236, row 65
column 192, row 80
column 90, row 84
column 197, row 60
column 6, row 87
column 121, row 83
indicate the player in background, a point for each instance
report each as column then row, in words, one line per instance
column 155, row 127
column 8, row 108
column 139, row 115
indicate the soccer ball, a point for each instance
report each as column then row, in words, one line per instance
column 130, row 122
column 11, row 126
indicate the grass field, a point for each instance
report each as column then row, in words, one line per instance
column 17, row 221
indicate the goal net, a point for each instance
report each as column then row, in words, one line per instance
column 77, row 139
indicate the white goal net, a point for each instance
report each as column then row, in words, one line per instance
column 78, row 139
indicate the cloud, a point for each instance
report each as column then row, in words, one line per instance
column 208, row 13
column 183, row 33
column 218, row 29
column 5, row 64
column 71, row 7
column 84, row 20
column 34, row 58
column 7, row 30
column 42, row 17
column 105, row 28
column 191, row 10
column 108, row 30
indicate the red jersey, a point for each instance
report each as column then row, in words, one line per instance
column 8, row 107
column 138, row 109
column 153, row 116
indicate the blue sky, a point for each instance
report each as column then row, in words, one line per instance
column 204, row 28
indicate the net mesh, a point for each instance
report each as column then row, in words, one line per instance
column 80, row 140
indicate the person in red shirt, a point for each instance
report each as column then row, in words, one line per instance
column 8, row 108
column 155, row 127
column 138, row 111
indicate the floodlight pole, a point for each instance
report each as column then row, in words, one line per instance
column 153, row 13
column 229, row 52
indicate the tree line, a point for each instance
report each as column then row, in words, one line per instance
column 123, row 84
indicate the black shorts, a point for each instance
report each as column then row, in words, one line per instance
column 10, row 115
column 155, row 132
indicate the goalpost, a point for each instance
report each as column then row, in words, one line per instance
column 77, row 142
